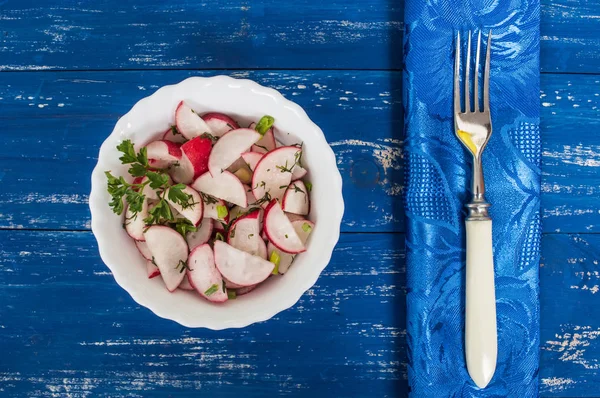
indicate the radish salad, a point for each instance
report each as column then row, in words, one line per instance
column 212, row 206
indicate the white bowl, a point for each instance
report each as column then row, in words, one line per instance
column 246, row 101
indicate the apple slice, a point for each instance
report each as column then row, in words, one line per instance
column 162, row 153
column 244, row 234
column 152, row 269
column 298, row 172
column 224, row 186
column 182, row 171
column 229, row 148
column 215, row 209
column 201, row 236
column 240, row 267
column 296, row 199
column 267, row 143
column 170, row 253
column 198, row 151
column 143, row 249
column 174, row 135
column 135, row 225
column 280, row 231
column 219, row 123
column 204, row 276
column 303, row 228
column 194, row 211
column 273, row 173
column 185, row 284
column 189, row 123
column 252, row 158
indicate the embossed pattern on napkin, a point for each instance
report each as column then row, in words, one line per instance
column 437, row 180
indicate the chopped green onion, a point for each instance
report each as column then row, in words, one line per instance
column 219, row 236
column 264, row 124
column 275, row 259
column 231, row 294
column 222, row 212
column 211, row 290
column 308, row 185
column 306, row 227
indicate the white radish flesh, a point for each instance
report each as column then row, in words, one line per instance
column 298, row 172
column 266, row 143
column 219, row 123
column 182, row 171
column 174, row 135
column 204, row 276
column 252, row 158
column 170, row 252
column 189, row 123
column 195, row 208
column 162, row 154
column 213, row 206
column 224, row 186
column 273, row 174
column 303, row 228
column 280, row 231
column 229, row 148
column 201, row 236
column 244, row 234
column 240, row 267
column 296, row 199
column 134, row 224
column 185, row 284
column 143, row 249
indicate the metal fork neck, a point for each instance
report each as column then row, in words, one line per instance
column 478, row 206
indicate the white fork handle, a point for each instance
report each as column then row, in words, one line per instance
column 481, row 338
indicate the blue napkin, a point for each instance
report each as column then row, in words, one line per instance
column 438, row 174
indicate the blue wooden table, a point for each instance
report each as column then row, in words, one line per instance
column 69, row 69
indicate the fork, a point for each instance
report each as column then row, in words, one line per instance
column 473, row 127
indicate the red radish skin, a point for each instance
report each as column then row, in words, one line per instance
column 202, row 235
column 203, row 275
column 280, row 231
column 135, row 225
column 169, row 250
column 194, row 212
column 229, row 148
column 152, row 270
column 268, row 176
column 252, row 158
column 143, row 249
column 189, row 123
column 162, row 154
column 224, row 186
column 240, row 267
column 185, row 284
column 219, row 123
column 198, row 151
column 296, row 199
column 178, row 138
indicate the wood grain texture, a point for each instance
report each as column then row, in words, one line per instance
column 54, row 122
column 153, row 34
column 345, row 337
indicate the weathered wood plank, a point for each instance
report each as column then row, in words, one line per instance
column 53, row 124
column 241, row 34
column 349, row 327
column 66, row 326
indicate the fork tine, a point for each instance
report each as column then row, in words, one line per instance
column 486, row 75
column 457, row 75
column 467, row 78
column 477, row 60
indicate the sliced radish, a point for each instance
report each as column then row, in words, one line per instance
column 245, row 290
column 182, row 171
column 174, row 135
column 273, row 174
column 215, row 209
column 240, row 267
column 201, row 236
column 170, row 253
column 189, row 123
column 148, row 192
column 229, row 148
column 303, row 228
column 143, row 249
column 194, row 211
column 294, row 217
column 135, row 225
column 244, row 234
column 219, row 123
column 235, row 166
column 219, row 226
column 298, row 172
column 252, row 158
column 162, row 154
column 197, row 151
column 230, row 285
column 204, row 276
column 267, row 143
column 152, row 269
column 296, row 199
column 280, row 231
column 224, row 186
column 185, row 284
